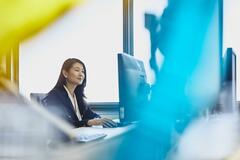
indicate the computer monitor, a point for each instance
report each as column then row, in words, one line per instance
column 133, row 87
column 229, row 68
column 228, row 82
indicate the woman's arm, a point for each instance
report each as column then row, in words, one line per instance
column 89, row 114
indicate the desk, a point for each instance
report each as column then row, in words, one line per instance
column 111, row 132
column 105, row 148
column 25, row 136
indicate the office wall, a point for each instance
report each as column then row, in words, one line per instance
column 92, row 33
column 231, row 32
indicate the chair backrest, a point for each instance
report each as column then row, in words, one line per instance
column 38, row 97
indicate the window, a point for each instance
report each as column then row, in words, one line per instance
column 142, row 42
column 92, row 33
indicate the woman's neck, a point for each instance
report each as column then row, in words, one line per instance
column 71, row 88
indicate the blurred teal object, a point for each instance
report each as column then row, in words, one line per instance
column 188, row 82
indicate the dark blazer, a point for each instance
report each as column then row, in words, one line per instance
column 58, row 102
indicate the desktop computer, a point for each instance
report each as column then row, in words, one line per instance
column 133, row 88
column 227, row 99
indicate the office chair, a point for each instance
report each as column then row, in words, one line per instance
column 38, row 97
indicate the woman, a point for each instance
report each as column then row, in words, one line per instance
column 66, row 99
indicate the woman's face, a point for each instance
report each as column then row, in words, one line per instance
column 75, row 75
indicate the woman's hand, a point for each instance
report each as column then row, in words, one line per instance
column 105, row 122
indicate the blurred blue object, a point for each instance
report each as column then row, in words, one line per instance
column 188, row 82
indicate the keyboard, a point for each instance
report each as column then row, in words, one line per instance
column 123, row 123
column 90, row 137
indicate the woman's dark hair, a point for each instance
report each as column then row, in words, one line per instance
column 79, row 91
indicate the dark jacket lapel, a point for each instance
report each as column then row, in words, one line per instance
column 62, row 93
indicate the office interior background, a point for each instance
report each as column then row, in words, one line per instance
column 90, row 33
column 96, row 38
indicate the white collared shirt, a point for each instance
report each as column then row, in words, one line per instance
column 74, row 103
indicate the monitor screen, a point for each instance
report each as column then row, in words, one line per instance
column 229, row 66
column 133, row 87
column 228, row 82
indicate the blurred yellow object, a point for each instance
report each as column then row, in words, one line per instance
column 7, row 86
column 19, row 19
